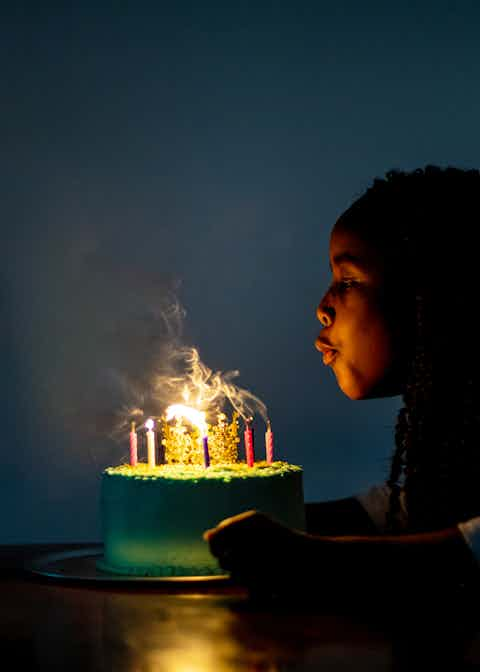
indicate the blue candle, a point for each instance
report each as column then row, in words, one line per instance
column 206, row 454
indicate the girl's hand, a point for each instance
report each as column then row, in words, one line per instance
column 257, row 549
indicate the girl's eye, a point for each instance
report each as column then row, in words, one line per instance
column 342, row 285
column 347, row 283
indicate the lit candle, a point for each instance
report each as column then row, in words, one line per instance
column 150, row 442
column 269, row 443
column 206, row 453
column 133, row 445
column 248, row 436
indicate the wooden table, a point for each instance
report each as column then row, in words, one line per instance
column 60, row 625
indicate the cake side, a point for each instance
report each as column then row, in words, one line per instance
column 153, row 519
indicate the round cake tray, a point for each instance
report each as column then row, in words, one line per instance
column 81, row 565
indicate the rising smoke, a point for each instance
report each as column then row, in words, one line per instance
column 124, row 355
column 176, row 374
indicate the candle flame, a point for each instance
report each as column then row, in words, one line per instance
column 194, row 416
column 149, row 424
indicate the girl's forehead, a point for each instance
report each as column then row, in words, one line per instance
column 346, row 246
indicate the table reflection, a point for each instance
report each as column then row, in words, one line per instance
column 50, row 627
column 195, row 633
column 190, row 633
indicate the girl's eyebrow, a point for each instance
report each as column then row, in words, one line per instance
column 346, row 257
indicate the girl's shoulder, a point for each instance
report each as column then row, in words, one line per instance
column 376, row 502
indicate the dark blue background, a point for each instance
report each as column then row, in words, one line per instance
column 212, row 146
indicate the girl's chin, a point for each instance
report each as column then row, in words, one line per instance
column 357, row 387
column 358, row 392
column 353, row 394
column 352, row 387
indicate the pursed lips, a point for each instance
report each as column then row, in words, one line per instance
column 328, row 351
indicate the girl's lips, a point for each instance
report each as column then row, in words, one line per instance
column 329, row 356
column 328, row 351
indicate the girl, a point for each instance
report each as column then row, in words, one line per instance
column 398, row 319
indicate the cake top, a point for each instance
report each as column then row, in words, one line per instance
column 195, row 472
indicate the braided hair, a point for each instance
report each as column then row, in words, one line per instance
column 424, row 223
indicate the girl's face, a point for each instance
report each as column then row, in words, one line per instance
column 360, row 338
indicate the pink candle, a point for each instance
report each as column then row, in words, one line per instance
column 249, row 452
column 269, row 443
column 133, row 445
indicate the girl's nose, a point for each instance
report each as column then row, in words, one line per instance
column 325, row 313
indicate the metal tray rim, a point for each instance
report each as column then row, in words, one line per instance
column 80, row 564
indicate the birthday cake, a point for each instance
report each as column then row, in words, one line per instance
column 154, row 515
column 153, row 519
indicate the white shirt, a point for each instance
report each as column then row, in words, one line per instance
column 376, row 503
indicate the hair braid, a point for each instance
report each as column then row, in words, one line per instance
column 397, row 470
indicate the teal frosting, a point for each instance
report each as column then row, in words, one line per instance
column 153, row 519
